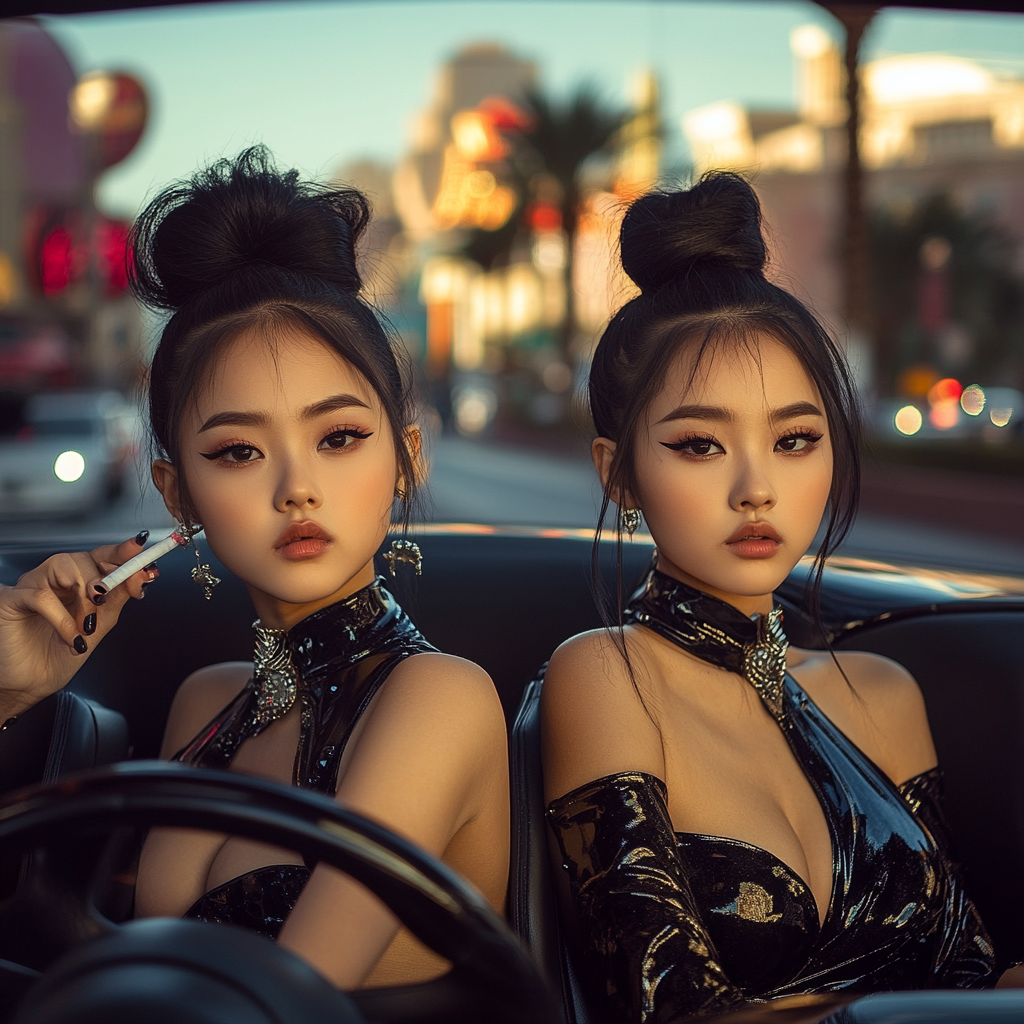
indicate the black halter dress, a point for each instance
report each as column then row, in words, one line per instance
column 679, row 923
column 333, row 662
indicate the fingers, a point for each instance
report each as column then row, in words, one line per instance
column 108, row 557
column 117, row 554
column 66, row 579
column 136, row 585
column 48, row 606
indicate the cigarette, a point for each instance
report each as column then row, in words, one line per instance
column 179, row 538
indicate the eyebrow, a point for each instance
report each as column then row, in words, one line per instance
column 718, row 414
column 262, row 419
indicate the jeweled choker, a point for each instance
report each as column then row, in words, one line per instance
column 716, row 632
column 275, row 680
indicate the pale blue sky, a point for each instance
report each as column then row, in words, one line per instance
column 323, row 83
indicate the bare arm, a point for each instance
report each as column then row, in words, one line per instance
column 175, row 862
column 430, row 758
column 593, row 722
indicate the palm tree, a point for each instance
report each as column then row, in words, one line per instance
column 562, row 136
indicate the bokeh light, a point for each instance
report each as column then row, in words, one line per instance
column 972, row 401
column 1000, row 417
column 69, row 466
column 946, row 390
column 908, row 420
column 945, row 415
column 915, row 381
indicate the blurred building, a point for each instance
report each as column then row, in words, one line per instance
column 444, row 181
column 931, row 124
column 65, row 316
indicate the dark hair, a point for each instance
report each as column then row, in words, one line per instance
column 698, row 257
column 242, row 246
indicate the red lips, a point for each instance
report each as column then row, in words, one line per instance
column 755, row 540
column 302, row 540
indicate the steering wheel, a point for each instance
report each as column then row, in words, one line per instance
column 491, row 977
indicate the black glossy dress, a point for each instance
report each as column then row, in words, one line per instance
column 680, row 923
column 333, row 662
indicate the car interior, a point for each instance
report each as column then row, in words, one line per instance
column 506, row 599
column 79, row 783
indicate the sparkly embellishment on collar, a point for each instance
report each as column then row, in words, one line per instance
column 275, row 680
column 764, row 660
column 716, row 632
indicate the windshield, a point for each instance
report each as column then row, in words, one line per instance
column 500, row 144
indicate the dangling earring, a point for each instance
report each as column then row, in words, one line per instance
column 404, row 551
column 630, row 519
column 201, row 575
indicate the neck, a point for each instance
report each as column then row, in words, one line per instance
column 277, row 614
column 758, row 604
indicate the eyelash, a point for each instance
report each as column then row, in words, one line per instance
column 812, row 437
column 240, row 446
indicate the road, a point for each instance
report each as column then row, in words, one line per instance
column 474, row 481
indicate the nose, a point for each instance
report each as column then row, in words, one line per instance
column 752, row 490
column 297, row 487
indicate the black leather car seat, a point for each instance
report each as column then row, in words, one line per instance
column 62, row 734
column 538, row 899
column 970, row 666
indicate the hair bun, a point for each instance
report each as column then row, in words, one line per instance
column 239, row 214
column 717, row 222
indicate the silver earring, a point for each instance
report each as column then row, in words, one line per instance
column 630, row 519
column 201, row 575
column 404, row 551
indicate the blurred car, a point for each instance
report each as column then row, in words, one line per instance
column 69, row 456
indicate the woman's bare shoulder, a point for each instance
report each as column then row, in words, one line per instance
column 589, row 659
column 203, row 693
column 595, row 721
column 430, row 692
column 877, row 703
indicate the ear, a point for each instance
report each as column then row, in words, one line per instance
column 602, row 451
column 413, row 439
column 165, row 478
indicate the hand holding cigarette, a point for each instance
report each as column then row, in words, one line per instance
column 180, row 537
column 50, row 622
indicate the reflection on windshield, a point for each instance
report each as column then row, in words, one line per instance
column 493, row 246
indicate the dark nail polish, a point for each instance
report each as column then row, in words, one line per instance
column 141, row 537
column 99, row 598
column 89, row 624
column 147, row 568
column 80, row 645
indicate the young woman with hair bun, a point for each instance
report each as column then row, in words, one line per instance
column 282, row 424
column 737, row 820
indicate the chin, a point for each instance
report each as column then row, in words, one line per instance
column 753, row 578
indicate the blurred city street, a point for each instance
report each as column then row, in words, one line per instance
column 472, row 481
column 475, row 481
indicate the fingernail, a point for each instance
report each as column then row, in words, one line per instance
column 147, row 568
column 141, row 537
column 80, row 645
column 89, row 624
column 99, row 598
